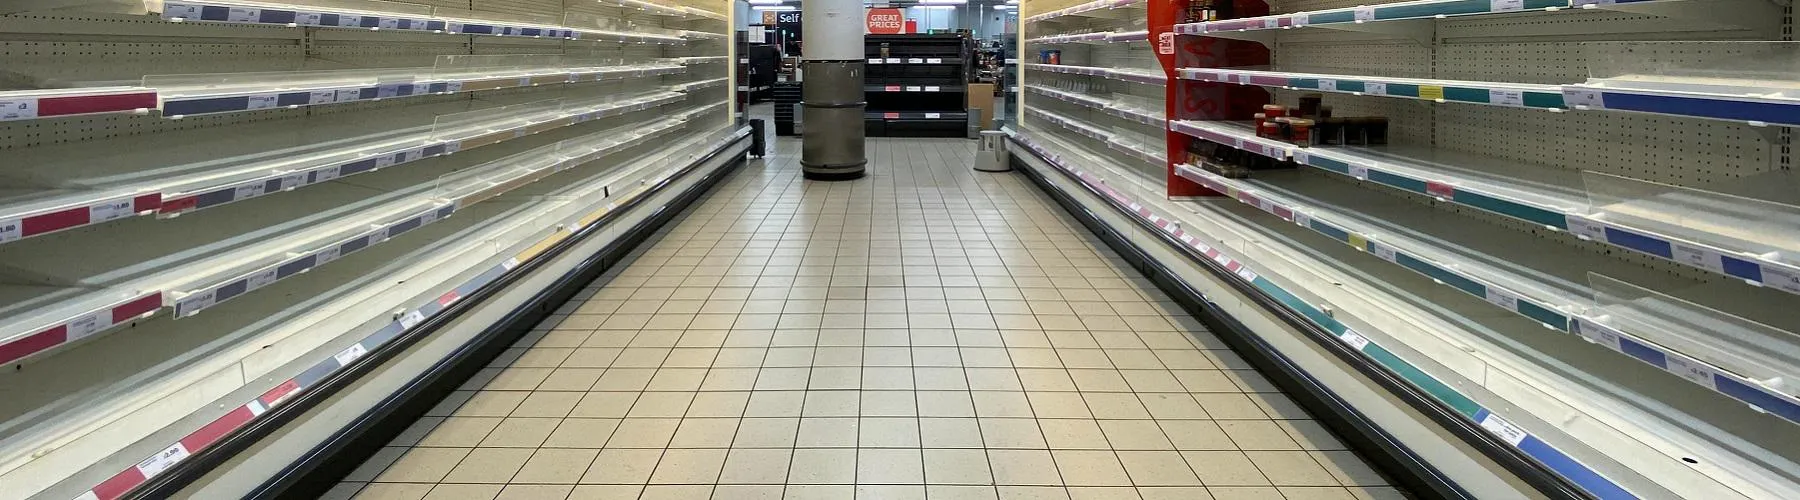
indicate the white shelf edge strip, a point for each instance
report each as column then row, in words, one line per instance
column 298, row 15
column 180, row 202
column 1753, row 270
column 1769, row 107
column 1423, row 9
column 125, row 481
column 201, row 103
column 188, row 299
column 1083, row 8
column 1102, row 105
column 1554, row 316
column 18, row 105
column 116, row 204
column 1113, row 141
column 1530, row 444
column 1122, row 74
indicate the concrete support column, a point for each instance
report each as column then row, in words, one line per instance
column 831, row 94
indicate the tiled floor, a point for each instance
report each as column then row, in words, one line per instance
column 928, row 332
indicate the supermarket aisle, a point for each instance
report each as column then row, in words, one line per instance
column 927, row 332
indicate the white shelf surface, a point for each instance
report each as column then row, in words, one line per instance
column 397, row 16
column 1363, row 14
column 267, row 364
column 178, row 175
column 1094, row 37
column 1516, row 95
column 186, row 95
column 1109, row 9
column 1135, row 75
column 1728, row 235
column 1611, row 441
column 1771, row 100
column 1112, row 107
column 1753, row 363
column 190, row 272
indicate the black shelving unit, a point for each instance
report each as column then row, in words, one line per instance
column 787, row 97
column 917, row 85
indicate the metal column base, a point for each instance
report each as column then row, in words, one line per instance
column 832, row 109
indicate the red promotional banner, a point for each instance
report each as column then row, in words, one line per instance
column 885, row 22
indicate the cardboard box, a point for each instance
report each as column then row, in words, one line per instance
column 981, row 95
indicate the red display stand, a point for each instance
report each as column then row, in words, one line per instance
column 1195, row 100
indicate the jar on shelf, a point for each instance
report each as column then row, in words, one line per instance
column 1300, row 131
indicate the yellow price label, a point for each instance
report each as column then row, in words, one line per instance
column 1432, row 92
column 1358, row 242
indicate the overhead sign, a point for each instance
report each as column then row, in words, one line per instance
column 886, row 22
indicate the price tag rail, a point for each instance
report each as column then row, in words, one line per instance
column 423, row 20
column 189, row 273
column 191, row 186
column 1329, row 18
column 1376, row 351
column 484, row 249
column 271, row 91
column 19, row 105
column 1678, row 337
column 1547, row 196
column 1548, row 97
column 1745, row 101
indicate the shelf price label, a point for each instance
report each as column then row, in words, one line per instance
column 23, row 109
column 1328, row 85
column 1382, row 250
column 932, row 88
column 1506, row 300
column 350, row 354
column 1503, row 429
column 1356, row 340
column 933, row 60
column 110, row 210
column 1505, row 5
column 893, row 60
column 172, row 10
column 915, row 60
column 264, row 101
column 1365, row 14
column 1779, row 278
column 1583, row 98
column 308, row 18
column 1698, row 257
column 1585, row 228
column 872, row 60
column 1360, row 172
column 1506, row 97
column 933, row 116
column 1375, row 88
column 1693, row 371
column 322, row 97
column 162, row 460
column 914, row 88
column 1301, row 19
column 243, row 15
column 11, row 229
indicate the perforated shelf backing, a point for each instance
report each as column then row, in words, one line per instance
column 1554, row 48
